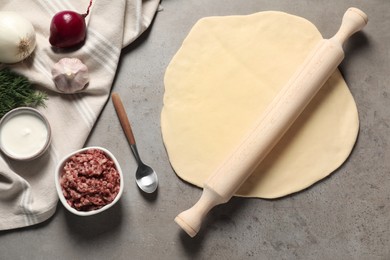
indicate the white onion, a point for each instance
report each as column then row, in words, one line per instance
column 17, row 37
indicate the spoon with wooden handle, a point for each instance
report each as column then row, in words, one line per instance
column 145, row 176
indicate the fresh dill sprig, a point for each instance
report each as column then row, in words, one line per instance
column 16, row 91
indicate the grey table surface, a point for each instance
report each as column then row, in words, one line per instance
column 345, row 216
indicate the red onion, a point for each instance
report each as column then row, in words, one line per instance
column 68, row 29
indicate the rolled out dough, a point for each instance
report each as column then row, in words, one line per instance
column 224, row 75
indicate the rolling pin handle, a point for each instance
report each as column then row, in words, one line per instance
column 191, row 220
column 353, row 20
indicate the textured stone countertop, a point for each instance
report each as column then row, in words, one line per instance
column 345, row 216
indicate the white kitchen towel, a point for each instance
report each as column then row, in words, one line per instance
column 27, row 191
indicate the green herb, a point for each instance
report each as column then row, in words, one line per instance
column 17, row 91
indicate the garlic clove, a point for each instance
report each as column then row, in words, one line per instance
column 70, row 75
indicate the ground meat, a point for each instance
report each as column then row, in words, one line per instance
column 89, row 180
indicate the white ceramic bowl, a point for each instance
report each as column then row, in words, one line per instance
column 58, row 172
column 24, row 140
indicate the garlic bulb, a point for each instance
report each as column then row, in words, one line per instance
column 17, row 37
column 70, row 75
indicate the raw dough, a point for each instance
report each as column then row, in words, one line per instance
column 222, row 78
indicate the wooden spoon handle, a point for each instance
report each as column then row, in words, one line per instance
column 123, row 119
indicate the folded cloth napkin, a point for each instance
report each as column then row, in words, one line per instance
column 27, row 191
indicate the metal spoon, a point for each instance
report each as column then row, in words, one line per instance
column 146, row 177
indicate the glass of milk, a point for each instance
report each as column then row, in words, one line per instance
column 25, row 133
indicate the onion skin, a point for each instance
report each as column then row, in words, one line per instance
column 67, row 29
column 17, row 37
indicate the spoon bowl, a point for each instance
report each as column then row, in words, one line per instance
column 145, row 176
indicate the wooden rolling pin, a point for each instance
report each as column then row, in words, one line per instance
column 273, row 123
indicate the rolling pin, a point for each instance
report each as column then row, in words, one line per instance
column 273, row 123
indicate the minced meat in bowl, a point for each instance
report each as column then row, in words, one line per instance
column 89, row 181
